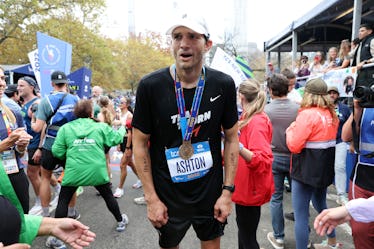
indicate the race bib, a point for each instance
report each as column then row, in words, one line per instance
column 9, row 162
column 193, row 168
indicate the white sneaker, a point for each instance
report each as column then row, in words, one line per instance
column 137, row 185
column 140, row 201
column 36, row 209
column 118, row 193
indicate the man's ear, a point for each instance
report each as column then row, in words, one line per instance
column 208, row 45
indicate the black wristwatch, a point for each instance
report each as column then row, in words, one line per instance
column 230, row 188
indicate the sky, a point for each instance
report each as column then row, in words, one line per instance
column 266, row 18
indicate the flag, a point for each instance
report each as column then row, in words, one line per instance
column 54, row 54
column 80, row 82
column 225, row 63
column 243, row 64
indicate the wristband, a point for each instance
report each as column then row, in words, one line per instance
column 128, row 148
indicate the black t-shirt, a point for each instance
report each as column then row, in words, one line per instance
column 156, row 114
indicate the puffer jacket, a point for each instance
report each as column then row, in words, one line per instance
column 81, row 142
column 311, row 139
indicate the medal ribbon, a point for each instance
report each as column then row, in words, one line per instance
column 7, row 123
column 187, row 127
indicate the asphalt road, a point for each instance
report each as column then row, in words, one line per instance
column 140, row 234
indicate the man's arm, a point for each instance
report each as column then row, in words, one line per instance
column 223, row 206
column 157, row 211
column 37, row 125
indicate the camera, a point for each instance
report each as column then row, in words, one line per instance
column 365, row 96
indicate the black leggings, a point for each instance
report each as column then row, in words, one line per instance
column 10, row 222
column 20, row 185
column 247, row 219
column 67, row 193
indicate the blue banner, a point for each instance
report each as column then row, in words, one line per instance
column 80, row 82
column 54, row 54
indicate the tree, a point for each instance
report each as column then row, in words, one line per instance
column 142, row 55
column 15, row 15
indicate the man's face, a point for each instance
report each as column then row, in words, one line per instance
column 333, row 96
column 188, row 48
column 291, row 84
column 364, row 32
column 24, row 88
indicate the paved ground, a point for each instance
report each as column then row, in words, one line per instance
column 141, row 235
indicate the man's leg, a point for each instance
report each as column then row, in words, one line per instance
column 45, row 191
column 33, row 173
column 211, row 244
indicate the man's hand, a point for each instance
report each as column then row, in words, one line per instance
column 37, row 156
column 223, row 206
column 72, row 232
column 157, row 212
column 328, row 219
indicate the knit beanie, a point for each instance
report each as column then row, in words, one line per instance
column 316, row 86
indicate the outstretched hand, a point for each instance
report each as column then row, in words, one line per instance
column 73, row 232
column 328, row 219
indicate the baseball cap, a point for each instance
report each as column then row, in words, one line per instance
column 333, row 88
column 59, row 77
column 316, row 86
column 195, row 23
column 11, row 89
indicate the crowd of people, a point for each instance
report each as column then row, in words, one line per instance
column 193, row 154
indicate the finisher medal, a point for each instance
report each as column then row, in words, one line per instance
column 186, row 150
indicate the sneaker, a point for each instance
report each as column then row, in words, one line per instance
column 289, row 216
column 121, row 226
column 325, row 245
column 36, row 209
column 140, row 201
column 53, row 242
column 276, row 243
column 118, row 193
column 76, row 215
column 137, row 185
column 342, row 200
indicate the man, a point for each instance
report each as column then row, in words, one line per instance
column 362, row 184
column 53, row 111
column 293, row 94
column 364, row 54
column 11, row 98
column 180, row 191
column 282, row 112
column 28, row 88
column 97, row 91
column 343, row 113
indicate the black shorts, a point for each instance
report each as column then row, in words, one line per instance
column 123, row 144
column 30, row 153
column 206, row 228
column 49, row 162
